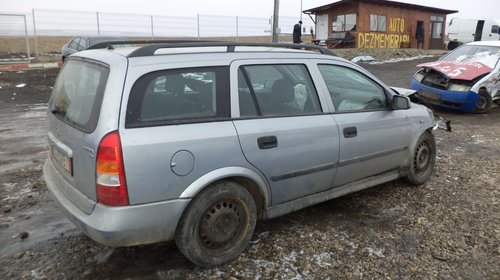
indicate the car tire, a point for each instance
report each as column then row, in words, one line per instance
column 453, row 45
column 217, row 225
column 423, row 160
column 483, row 104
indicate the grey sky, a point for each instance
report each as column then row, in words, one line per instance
column 249, row 8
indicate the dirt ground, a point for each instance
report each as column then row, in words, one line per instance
column 449, row 228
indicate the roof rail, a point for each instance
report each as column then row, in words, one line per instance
column 151, row 49
column 110, row 44
column 153, row 45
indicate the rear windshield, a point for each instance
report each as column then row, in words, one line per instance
column 77, row 94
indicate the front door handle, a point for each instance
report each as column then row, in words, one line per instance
column 350, row 132
column 267, row 142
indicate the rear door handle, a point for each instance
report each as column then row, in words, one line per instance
column 267, row 142
column 350, row 132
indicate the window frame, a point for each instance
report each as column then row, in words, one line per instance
column 259, row 113
column 495, row 29
column 136, row 97
column 386, row 94
column 378, row 18
column 344, row 22
column 91, row 123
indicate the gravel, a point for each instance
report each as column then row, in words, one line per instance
column 449, row 228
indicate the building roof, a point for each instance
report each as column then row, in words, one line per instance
column 320, row 9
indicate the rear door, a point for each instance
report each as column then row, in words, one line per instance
column 177, row 128
column 373, row 138
column 282, row 129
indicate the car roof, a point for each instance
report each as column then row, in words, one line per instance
column 485, row 43
column 171, row 47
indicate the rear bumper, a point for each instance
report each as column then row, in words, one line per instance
column 119, row 226
column 456, row 100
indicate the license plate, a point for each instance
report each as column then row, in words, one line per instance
column 430, row 95
column 62, row 160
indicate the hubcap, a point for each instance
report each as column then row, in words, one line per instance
column 222, row 225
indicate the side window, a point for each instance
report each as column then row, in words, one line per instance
column 179, row 96
column 74, row 44
column 83, row 44
column 351, row 90
column 270, row 90
column 495, row 29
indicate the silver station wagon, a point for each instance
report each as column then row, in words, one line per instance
column 196, row 141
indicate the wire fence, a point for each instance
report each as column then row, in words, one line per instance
column 60, row 23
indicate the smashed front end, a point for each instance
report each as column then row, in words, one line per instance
column 467, row 79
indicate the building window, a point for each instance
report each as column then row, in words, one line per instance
column 437, row 18
column 345, row 22
column 378, row 23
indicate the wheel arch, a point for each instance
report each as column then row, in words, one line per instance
column 249, row 179
column 413, row 146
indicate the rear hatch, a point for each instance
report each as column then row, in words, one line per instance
column 74, row 110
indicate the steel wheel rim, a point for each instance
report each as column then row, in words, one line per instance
column 422, row 158
column 481, row 103
column 222, row 225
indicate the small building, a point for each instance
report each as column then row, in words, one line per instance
column 380, row 24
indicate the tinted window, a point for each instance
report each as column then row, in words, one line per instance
column 173, row 96
column 77, row 94
column 276, row 90
column 351, row 90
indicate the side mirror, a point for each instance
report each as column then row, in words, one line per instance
column 400, row 102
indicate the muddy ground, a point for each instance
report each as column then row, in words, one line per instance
column 448, row 228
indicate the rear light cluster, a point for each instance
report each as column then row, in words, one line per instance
column 111, row 185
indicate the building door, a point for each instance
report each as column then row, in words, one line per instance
column 436, row 40
column 322, row 27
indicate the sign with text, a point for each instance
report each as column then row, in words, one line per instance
column 393, row 39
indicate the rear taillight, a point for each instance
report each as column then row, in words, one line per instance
column 110, row 172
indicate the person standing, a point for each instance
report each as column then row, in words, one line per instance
column 419, row 35
column 297, row 33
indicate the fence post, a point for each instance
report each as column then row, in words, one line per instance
column 198, row 23
column 27, row 41
column 98, row 27
column 152, row 29
column 275, row 26
column 34, row 33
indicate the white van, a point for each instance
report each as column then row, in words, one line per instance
column 462, row 31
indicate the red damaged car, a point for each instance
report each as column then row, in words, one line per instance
column 466, row 79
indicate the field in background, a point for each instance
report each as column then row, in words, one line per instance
column 49, row 47
column 16, row 45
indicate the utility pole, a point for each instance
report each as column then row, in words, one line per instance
column 300, row 10
column 275, row 20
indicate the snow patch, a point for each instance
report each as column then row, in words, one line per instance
column 395, row 60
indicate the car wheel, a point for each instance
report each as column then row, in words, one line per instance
column 483, row 104
column 423, row 160
column 452, row 45
column 217, row 225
